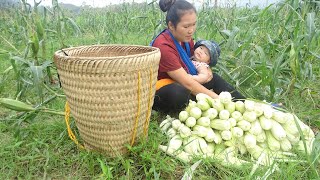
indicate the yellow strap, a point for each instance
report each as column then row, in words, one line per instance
column 146, row 124
column 70, row 133
column 138, row 113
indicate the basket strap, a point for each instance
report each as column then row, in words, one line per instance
column 70, row 133
column 146, row 124
column 134, row 133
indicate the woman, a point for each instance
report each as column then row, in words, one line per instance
column 175, row 86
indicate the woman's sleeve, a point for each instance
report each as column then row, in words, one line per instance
column 170, row 59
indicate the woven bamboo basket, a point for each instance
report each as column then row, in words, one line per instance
column 110, row 91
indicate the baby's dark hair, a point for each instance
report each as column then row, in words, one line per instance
column 175, row 10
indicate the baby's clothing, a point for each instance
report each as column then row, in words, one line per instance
column 198, row 64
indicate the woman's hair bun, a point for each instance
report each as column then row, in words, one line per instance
column 166, row 4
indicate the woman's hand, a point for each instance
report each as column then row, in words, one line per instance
column 183, row 78
column 210, row 76
column 203, row 76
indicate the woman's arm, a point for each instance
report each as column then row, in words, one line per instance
column 204, row 75
column 181, row 76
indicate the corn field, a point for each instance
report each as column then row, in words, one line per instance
column 270, row 54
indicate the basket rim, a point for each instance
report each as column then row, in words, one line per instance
column 60, row 54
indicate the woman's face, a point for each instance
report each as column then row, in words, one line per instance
column 202, row 54
column 185, row 29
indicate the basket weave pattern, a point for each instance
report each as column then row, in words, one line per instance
column 108, row 89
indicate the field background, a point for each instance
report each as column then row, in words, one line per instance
column 269, row 54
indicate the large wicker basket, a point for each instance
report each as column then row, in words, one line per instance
column 110, row 89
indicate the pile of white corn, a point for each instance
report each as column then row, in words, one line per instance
column 228, row 131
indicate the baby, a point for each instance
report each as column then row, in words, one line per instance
column 206, row 54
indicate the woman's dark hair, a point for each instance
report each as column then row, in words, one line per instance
column 175, row 9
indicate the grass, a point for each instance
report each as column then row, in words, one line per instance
column 256, row 46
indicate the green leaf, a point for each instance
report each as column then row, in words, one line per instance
column 242, row 48
column 315, row 153
column 37, row 72
column 261, row 53
column 105, row 170
column 226, row 32
column 310, row 25
column 275, row 75
column 19, row 60
column 74, row 26
column 103, row 166
column 46, row 64
column 293, row 59
column 2, row 51
column 270, row 39
column 7, row 70
column 35, row 44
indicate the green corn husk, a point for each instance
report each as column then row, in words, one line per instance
column 15, row 105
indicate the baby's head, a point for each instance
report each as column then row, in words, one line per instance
column 207, row 51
